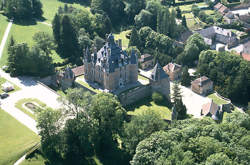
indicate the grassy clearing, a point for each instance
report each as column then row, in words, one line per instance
column 21, row 102
column 23, row 33
column 50, row 8
column 15, row 138
column 148, row 105
column 3, row 26
column 217, row 100
column 209, row 12
column 2, row 81
column 86, row 85
column 122, row 36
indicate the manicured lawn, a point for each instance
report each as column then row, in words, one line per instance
column 15, row 139
column 21, row 102
column 122, row 36
column 209, row 12
column 2, row 81
column 50, row 8
column 149, row 105
column 3, row 26
column 23, row 33
column 217, row 100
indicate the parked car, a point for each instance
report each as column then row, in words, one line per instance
column 4, row 95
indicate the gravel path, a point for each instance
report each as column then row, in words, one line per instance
column 5, row 37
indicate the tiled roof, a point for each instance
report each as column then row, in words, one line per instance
column 217, row 6
column 246, row 57
column 78, row 71
column 211, row 108
column 171, row 67
column 158, row 73
column 201, row 81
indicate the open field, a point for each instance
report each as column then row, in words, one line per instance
column 50, row 8
column 20, row 106
column 217, row 100
column 146, row 105
column 122, row 36
column 3, row 80
column 3, row 26
column 15, row 138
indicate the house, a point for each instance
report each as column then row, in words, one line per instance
column 146, row 61
column 211, row 109
column 78, row 71
column 230, row 17
column 202, row 85
column 221, row 8
column 173, row 70
column 214, row 35
column 66, row 78
column 111, row 67
column 7, row 87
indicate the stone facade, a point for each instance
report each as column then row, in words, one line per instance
column 111, row 67
column 173, row 70
column 202, row 86
column 66, row 78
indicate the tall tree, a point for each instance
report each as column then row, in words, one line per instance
column 37, row 8
column 134, row 7
column 184, row 21
column 69, row 47
column 56, row 26
column 44, row 41
column 185, row 77
column 134, row 38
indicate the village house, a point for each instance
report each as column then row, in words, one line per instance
column 146, row 61
column 111, row 67
column 221, row 8
column 202, row 85
column 173, row 70
column 218, row 37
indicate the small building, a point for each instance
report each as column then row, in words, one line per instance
column 173, row 70
column 146, row 61
column 202, row 85
column 7, row 87
column 66, row 78
column 221, row 8
column 78, row 71
column 211, row 109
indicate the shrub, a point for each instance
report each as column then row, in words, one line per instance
column 157, row 98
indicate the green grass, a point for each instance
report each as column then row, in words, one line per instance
column 37, row 159
column 209, row 12
column 56, row 58
column 15, row 139
column 189, row 16
column 86, row 85
column 21, row 102
column 50, row 8
column 3, row 26
column 188, row 8
column 2, row 81
column 217, row 100
column 149, row 105
column 23, row 33
column 122, row 36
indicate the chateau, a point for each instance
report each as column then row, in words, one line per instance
column 111, row 67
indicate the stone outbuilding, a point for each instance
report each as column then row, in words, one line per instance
column 146, row 61
column 202, row 85
column 66, row 78
column 211, row 109
column 173, row 70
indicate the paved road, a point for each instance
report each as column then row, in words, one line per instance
column 30, row 89
column 5, row 37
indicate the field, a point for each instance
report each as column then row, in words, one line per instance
column 3, row 25
column 21, row 102
column 149, row 105
column 217, row 100
column 15, row 138
column 50, row 8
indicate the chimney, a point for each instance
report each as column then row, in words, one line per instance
column 120, row 43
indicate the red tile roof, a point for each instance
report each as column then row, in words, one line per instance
column 78, row 71
column 246, row 57
column 210, row 107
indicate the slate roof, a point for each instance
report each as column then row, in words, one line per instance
column 158, row 73
column 171, row 67
column 67, row 74
column 110, row 56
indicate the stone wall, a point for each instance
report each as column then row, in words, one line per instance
column 49, row 80
column 136, row 94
